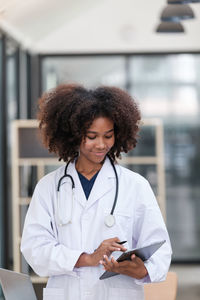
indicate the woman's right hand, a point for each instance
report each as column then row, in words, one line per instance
column 105, row 248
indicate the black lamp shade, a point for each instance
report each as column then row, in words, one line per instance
column 177, row 12
column 182, row 1
column 170, row 27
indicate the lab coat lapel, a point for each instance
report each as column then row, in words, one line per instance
column 79, row 193
column 103, row 183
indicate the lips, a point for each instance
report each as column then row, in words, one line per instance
column 99, row 153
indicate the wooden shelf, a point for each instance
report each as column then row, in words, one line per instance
column 24, row 200
column 37, row 279
column 31, row 161
column 140, row 160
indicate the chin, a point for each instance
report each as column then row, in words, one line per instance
column 98, row 160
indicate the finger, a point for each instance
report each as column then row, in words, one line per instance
column 105, row 259
column 113, row 248
column 133, row 256
column 111, row 263
column 107, row 263
column 124, row 249
column 116, row 239
column 121, row 247
column 112, row 259
column 114, row 262
column 124, row 264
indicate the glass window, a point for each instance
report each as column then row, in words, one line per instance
column 146, row 145
column 87, row 70
column 168, row 87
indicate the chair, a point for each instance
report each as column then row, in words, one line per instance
column 165, row 290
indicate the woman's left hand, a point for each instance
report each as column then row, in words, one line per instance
column 134, row 268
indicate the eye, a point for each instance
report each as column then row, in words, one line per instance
column 91, row 137
column 109, row 136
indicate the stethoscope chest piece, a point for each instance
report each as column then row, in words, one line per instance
column 109, row 220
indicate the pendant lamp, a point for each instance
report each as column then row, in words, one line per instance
column 177, row 12
column 182, row 1
column 170, row 27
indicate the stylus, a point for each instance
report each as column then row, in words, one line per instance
column 120, row 243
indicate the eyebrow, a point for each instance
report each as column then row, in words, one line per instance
column 90, row 131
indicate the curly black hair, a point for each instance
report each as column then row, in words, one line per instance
column 66, row 112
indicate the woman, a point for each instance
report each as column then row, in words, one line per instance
column 70, row 231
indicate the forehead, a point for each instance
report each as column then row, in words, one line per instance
column 101, row 124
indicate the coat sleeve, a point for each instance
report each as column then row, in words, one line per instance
column 149, row 228
column 40, row 245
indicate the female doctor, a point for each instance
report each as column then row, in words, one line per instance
column 81, row 212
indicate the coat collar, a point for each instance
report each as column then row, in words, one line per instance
column 102, row 185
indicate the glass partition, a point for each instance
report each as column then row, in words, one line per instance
column 168, row 87
column 87, row 70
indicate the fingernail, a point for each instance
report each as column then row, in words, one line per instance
column 101, row 262
column 104, row 256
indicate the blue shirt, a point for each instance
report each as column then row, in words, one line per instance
column 87, row 184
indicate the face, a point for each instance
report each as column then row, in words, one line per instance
column 98, row 141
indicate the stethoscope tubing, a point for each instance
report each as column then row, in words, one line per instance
column 73, row 187
column 117, row 186
column 65, row 175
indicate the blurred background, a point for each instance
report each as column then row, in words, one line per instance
column 121, row 43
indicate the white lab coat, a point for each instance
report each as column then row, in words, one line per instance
column 53, row 250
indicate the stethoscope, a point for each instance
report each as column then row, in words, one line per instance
column 109, row 219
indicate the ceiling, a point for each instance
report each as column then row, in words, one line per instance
column 77, row 26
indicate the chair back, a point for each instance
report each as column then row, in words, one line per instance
column 165, row 290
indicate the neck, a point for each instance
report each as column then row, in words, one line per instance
column 87, row 168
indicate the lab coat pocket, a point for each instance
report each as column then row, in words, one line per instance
column 123, row 219
column 121, row 228
column 53, row 294
column 122, row 223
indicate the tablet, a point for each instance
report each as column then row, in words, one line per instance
column 143, row 253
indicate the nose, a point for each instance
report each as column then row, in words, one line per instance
column 100, row 144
